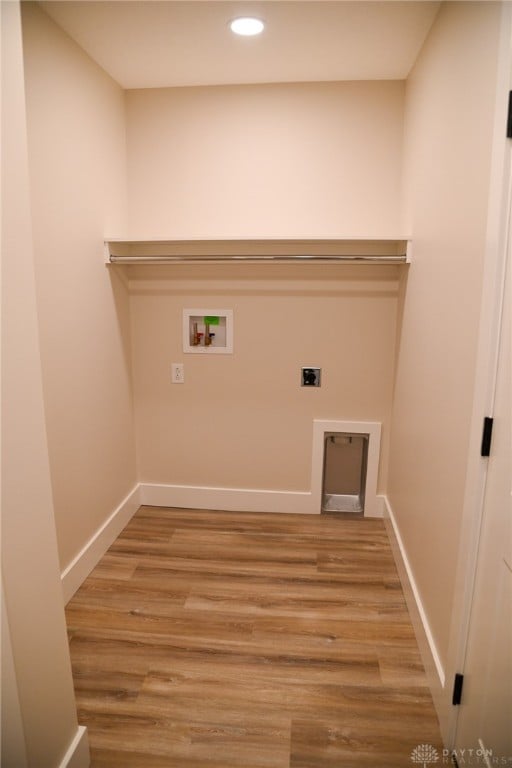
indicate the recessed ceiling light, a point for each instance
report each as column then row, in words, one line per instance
column 247, row 26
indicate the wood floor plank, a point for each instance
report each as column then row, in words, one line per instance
column 222, row 640
column 114, row 568
column 401, row 668
column 129, row 595
column 334, row 743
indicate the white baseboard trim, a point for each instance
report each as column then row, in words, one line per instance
column 431, row 660
column 238, row 499
column 227, row 499
column 298, row 502
column 81, row 566
column 77, row 755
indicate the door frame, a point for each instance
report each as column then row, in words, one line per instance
column 486, row 369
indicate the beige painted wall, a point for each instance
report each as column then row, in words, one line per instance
column 287, row 160
column 293, row 160
column 242, row 420
column 76, row 134
column 38, row 709
column 271, row 160
column 448, row 134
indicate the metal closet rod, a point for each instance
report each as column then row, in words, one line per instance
column 400, row 259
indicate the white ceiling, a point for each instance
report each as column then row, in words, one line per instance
column 156, row 43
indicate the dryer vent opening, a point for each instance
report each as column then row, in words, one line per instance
column 344, row 472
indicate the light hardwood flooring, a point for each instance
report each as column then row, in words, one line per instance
column 228, row 640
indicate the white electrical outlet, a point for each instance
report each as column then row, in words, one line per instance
column 177, row 373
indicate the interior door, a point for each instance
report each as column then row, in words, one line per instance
column 484, row 719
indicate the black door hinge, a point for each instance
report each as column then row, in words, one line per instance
column 457, row 689
column 485, row 449
column 509, row 116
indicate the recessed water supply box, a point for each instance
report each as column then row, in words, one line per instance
column 344, row 472
column 208, row 331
